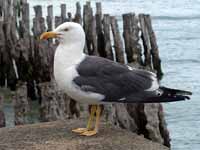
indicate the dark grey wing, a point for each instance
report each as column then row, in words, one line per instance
column 115, row 81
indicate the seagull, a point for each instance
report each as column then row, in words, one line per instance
column 95, row 80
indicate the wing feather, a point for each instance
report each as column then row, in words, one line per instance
column 112, row 79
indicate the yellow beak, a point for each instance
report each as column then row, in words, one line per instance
column 47, row 35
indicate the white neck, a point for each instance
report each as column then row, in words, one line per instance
column 67, row 55
column 70, row 50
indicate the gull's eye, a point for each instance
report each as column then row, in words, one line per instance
column 66, row 29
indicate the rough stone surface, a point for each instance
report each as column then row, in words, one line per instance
column 152, row 126
column 55, row 104
column 21, row 105
column 120, row 116
column 2, row 115
column 2, row 119
column 58, row 136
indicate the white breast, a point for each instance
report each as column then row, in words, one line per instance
column 64, row 80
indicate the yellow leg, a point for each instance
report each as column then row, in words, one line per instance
column 98, row 114
column 95, row 131
column 81, row 130
column 93, row 110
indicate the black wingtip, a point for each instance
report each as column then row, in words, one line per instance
column 181, row 92
column 176, row 94
column 176, row 91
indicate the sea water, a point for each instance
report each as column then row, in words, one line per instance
column 177, row 27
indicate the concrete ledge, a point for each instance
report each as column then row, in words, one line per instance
column 58, row 136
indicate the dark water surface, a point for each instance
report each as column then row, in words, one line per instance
column 177, row 26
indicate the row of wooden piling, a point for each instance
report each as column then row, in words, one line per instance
column 19, row 42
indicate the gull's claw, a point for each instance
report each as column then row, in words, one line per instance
column 80, row 130
column 89, row 133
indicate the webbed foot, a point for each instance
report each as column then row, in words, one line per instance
column 80, row 130
column 89, row 133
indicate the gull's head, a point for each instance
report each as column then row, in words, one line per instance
column 66, row 33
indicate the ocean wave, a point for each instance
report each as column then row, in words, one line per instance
column 176, row 17
column 184, row 38
column 184, row 61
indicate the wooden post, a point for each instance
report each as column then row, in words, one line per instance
column 154, row 47
column 99, row 29
column 107, row 41
column 146, row 42
column 78, row 18
column 23, row 45
column 126, row 34
column 49, row 18
column 1, row 10
column 2, row 49
column 131, row 38
column 25, row 18
column 58, row 21
column 118, row 44
column 25, row 49
column 6, row 9
column 38, row 22
column 10, row 42
column 24, row 22
column 69, row 14
column 43, row 51
column 89, row 25
column 87, row 15
column 63, row 13
column 94, row 37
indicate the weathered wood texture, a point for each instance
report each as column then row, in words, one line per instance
column 10, row 39
column 99, row 29
column 146, row 42
column 131, row 38
column 107, row 40
column 89, row 25
column 63, row 13
column 78, row 16
column 2, row 55
column 154, row 47
column 118, row 44
column 152, row 60
column 24, row 57
column 40, row 47
column 49, row 18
